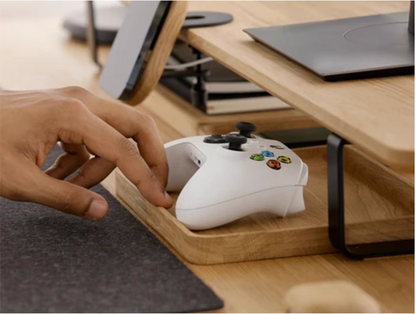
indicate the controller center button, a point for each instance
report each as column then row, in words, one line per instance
column 257, row 157
column 277, row 146
column 274, row 164
column 267, row 153
column 215, row 139
column 284, row 159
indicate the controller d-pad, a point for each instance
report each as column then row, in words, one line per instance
column 267, row 153
column 274, row 164
column 215, row 139
column 257, row 157
column 284, row 159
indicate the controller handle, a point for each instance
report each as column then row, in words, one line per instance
column 181, row 166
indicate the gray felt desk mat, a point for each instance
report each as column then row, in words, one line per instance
column 53, row 262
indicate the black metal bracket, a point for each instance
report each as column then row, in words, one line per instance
column 173, row 73
column 92, row 33
column 199, row 94
column 336, row 221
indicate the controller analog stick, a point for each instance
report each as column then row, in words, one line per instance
column 235, row 141
column 215, row 139
column 246, row 128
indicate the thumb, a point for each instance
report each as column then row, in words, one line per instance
column 64, row 196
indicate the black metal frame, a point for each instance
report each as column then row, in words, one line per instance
column 92, row 33
column 336, row 228
column 199, row 94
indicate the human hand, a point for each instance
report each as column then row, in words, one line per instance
column 32, row 122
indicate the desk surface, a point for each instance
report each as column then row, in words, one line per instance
column 45, row 58
column 377, row 114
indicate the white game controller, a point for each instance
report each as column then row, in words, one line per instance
column 224, row 178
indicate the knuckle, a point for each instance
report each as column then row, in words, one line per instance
column 147, row 119
column 74, row 106
column 68, row 107
column 70, row 117
column 145, row 178
column 66, row 202
column 75, row 91
column 67, row 198
column 127, row 148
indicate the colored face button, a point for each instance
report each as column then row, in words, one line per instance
column 284, row 159
column 257, row 157
column 277, row 146
column 274, row 164
column 267, row 153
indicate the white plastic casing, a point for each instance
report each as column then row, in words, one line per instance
column 219, row 185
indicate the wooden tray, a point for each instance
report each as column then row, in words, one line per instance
column 379, row 207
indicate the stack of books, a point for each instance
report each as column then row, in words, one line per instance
column 227, row 91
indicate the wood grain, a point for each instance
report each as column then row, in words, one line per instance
column 160, row 53
column 376, row 114
column 45, row 57
column 379, row 207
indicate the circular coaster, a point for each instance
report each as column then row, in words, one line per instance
column 109, row 19
column 205, row 19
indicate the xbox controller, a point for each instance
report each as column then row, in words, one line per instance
column 226, row 177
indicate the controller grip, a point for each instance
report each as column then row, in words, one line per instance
column 280, row 201
column 181, row 167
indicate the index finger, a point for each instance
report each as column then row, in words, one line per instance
column 132, row 124
column 83, row 127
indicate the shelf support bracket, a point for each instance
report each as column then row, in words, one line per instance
column 336, row 215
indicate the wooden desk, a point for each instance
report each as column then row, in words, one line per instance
column 377, row 114
column 45, row 58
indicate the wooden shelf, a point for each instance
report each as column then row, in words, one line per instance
column 376, row 114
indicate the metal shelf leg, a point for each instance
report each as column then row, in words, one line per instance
column 336, row 228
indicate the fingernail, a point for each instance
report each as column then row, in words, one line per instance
column 97, row 210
